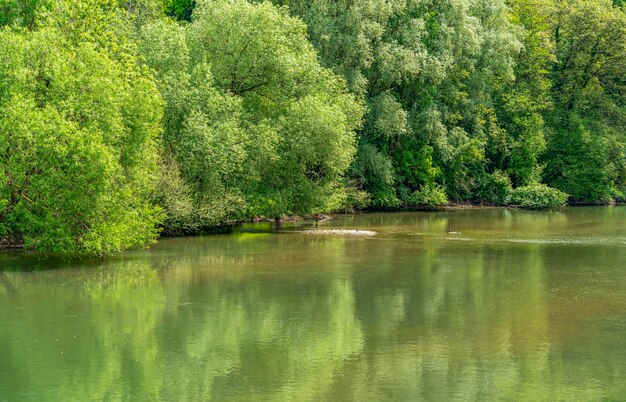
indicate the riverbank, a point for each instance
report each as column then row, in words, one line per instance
column 18, row 245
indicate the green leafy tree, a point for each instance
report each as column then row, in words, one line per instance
column 205, row 143
column 254, row 124
column 585, row 154
column 523, row 102
column 78, row 135
column 24, row 13
column 428, row 71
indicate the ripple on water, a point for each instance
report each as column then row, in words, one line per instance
column 580, row 241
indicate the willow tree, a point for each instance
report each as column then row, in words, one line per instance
column 78, row 139
column 254, row 126
column 428, row 71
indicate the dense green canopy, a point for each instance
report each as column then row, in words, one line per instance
column 254, row 126
column 121, row 118
column 78, row 145
column 480, row 96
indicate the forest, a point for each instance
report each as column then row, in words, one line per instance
column 121, row 121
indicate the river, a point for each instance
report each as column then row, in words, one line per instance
column 476, row 304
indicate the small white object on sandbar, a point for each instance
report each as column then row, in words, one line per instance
column 341, row 232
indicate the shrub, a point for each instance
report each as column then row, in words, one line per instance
column 430, row 195
column 494, row 189
column 538, row 196
column 374, row 171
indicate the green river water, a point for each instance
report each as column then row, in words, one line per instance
column 478, row 304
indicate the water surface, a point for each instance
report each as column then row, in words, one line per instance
column 477, row 304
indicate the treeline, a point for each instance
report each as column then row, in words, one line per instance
column 123, row 119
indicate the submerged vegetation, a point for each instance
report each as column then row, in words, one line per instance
column 123, row 119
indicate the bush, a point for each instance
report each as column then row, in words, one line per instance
column 538, row 196
column 494, row 189
column 183, row 213
column 430, row 195
column 374, row 171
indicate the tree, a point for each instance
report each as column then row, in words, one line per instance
column 254, row 124
column 78, row 135
column 25, row 13
column 585, row 154
column 428, row 71
column 180, row 9
column 524, row 101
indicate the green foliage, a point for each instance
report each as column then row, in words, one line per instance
column 78, row 135
column 255, row 125
column 429, row 195
column 205, row 145
column 480, row 87
column 375, row 173
column 579, row 163
column 523, row 102
column 298, row 107
column 585, row 155
column 23, row 13
column 538, row 196
column 494, row 189
column 180, row 9
column 429, row 71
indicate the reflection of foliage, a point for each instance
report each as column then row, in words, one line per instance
column 406, row 315
column 126, row 304
column 101, row 320
column 6, row 286
column 118, row 281
column 263, row 343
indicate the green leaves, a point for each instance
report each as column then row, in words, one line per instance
column 480, row 84
column 584, row 155
column 428, row 71
column 244, row 110
column 429, row 195
column 538, row 196
column 78, row 147
column 254, row 124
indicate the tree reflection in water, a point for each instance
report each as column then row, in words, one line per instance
column 406, row 315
